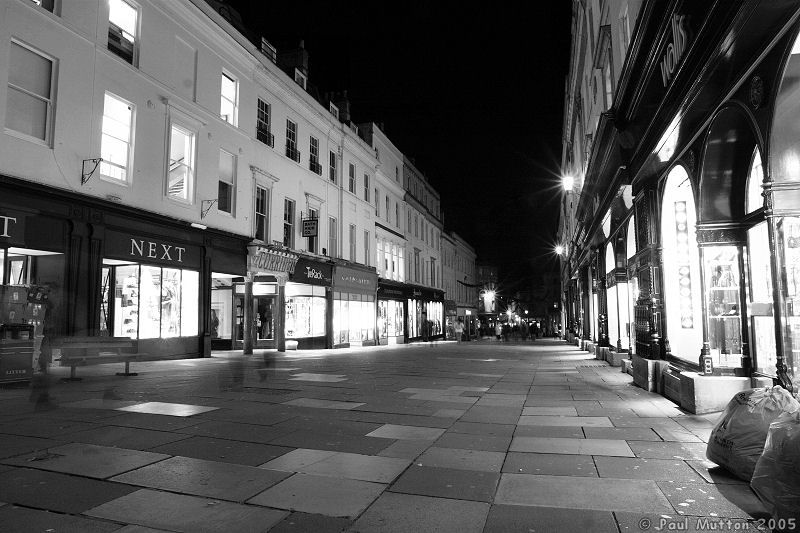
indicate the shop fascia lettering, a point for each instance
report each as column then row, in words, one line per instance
column 675, row 49
column 313, row 273
column 156, row 250
column 6, row 220
column 269, row 260
column 354, row 279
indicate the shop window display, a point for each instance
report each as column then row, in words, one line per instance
column 305, row 311
column 390, row 318
column 150, row 302
column 789, row 245
column 723, row 304
column 759, row 306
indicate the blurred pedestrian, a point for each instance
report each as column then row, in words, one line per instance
column 459, row 330
column 498, row 330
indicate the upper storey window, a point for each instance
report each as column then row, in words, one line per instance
column 29, row 104
column 229, row 99
column 123, row 24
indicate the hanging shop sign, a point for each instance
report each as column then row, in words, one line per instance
column 263, row 259
column 310, row 227
column 346, row 278
column 312, row 272
column 151, row 250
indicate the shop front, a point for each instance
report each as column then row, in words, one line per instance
column 451, row 316
column 354, row 305
column 391, row 312
column 260, row 298
column 308, row 319
column 426, row 319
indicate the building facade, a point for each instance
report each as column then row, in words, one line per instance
column 680, row 210
column 167, row 179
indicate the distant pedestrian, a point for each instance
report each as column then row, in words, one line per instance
column 459, row 330
column 498, row 330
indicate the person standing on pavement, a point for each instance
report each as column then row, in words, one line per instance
column 498, row 330
column 459, row 330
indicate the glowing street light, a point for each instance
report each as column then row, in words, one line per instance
column 567, row 182
column 559, row 249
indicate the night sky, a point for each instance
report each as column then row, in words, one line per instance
column 474, row 96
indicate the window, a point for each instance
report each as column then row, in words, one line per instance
column 313, row 156
column 377, row 203
column 47, row 5
column 262, row 214
column 312, row 241
column 366, row 188
column 625, row 31
column 288, row 223
column 229, row 99
column 387, row 207
column 416, row 265
column 227, row 178
column 123, row 22
column 416, row 227
column 366, row 248
column 333, row 109
column 291, row 141
column 29, row 105
column 608, row 90
column 263, row 127
column 115, row 141
column 180, row 178
column 351, row 184
column 397, row 214
column 409, row 222
column 333, row 240
column 433, row 272
column 353, row 243
column 332, row 167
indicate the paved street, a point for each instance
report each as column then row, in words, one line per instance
column 471, row 437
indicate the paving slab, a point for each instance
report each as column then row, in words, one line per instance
column 406, row 448
column 125, row 437
column 329, row 496
column 43, row 428
column 469, row 459
column 552, row 464
column 87, row 460
column 409, row 513
column 149, row 421
column 179, row 512
column 581, row 493
column 677, row 435
column 323, row 404
column 571, row 446
column 11, row 445
column 171, row 409
column 341, row 464
column 669, row 450
column 634, row 433
column 447, row 483
column 319, row 378
column 713, row 473
column 393, row 431
column 475, row 428
column 704, row 499
column 470, row 441
column 23, row 520
column 506, row 518
column 306, row 522
column 235, row 431
column 223, row 450
column 637, row 468
column 568, row 432
column 581, row 421
column 211, row 479
column 57, row 492
column 494, row 415
column 335, row 442
column 553, row 411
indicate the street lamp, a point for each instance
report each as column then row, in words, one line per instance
column 559, row 249
column 567, row 182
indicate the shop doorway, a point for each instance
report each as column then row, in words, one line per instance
column 263, row 310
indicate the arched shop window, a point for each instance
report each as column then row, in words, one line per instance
column 681, row 267
column 759, row 305
column 633, row 284
column 612, row 301
column 785, row 171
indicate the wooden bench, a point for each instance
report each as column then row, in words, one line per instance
column 85, row 351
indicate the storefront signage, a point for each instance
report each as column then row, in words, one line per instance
column 312, row 272
column 12, row 225
column 675, row 49
column 352, row 279
column 310, row 227
column 150, row 250
column 268, row 260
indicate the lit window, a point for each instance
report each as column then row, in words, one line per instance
column 115, row 143
column 29, row 104
column 180, row 178
column 227, row 177
column 123, row 21
column 229, row 99
column 288, row 223
column 262, row 214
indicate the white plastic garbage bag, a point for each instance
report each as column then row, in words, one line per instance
column 737, row 441
column 776, row 479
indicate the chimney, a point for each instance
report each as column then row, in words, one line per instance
column 296, row 58
column 341, row 101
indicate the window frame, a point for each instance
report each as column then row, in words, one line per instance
column 49, row 101
column 134, row 61
column 351, row 178
column 289, row 215
column 264, row 123
column 366, row 188
column 234, row 103
column 332, row 166
column 353, row 243
column 129, row 142
column 261, row 219
column 190, row 187
column 366, row 247
column 231, row 184
column 333, row 237
column 291, row 141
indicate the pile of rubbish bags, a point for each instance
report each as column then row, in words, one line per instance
column 757, row 438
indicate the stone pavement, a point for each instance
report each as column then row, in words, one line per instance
column 471, row 437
